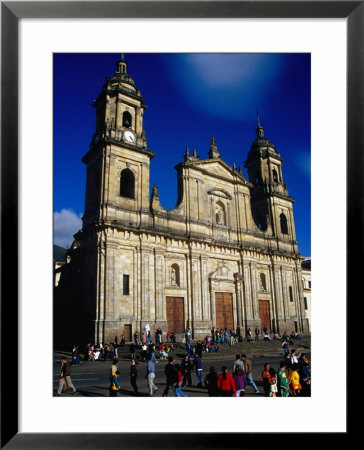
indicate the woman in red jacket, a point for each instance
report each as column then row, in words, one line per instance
column 225, row 383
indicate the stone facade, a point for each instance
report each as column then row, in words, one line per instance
column 226, row 254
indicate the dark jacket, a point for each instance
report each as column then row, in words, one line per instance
column 65, row 370
column 197, row 362
column 186, row 366
column 171, row 373
column 133, row 370
column 211, row 383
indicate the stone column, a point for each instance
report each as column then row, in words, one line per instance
column 188, row 306
column 195, row 284
column 253, row 277
column 117, row 113
column 206, row 310
column 274, row 299
column 136, row 284
column 238, row 282
column 160, row 313
column 213, row 303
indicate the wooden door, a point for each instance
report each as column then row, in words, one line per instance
column 127, row 333
column 224, row 310
column 175, row 314
column 264, row 313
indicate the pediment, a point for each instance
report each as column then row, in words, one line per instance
column 219, row 168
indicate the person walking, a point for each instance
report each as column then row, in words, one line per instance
column 197, row 362
column 266, row 379
column 114, row 386
column 282, row 380
column 248, row 369
column 65, row 377
column 240, row 381
column 133, row 375
column 132, row 350
column 225, row 383
column 211, row 382
column 186, row 368
column 177, row 390
column 257, row 334
column 151, row 349
column 171, row 375
column 238, row 362
column 151, row 376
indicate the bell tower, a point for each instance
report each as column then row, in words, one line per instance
column 118, row 161
column 270, row 199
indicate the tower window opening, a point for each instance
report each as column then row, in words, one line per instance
column 290, row 294
column 275, row 176
column 127, row 184
column 127, row 120
column 284, row 225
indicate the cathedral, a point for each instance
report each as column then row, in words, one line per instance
column 226, row 256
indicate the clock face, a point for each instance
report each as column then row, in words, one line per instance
column 129, row 136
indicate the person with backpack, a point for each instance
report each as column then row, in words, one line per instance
column 171, row 375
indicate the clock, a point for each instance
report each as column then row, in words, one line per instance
column 129, row 136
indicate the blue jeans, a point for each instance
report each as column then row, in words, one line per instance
column 249, row 378
column 152, row 356
column 199, row 376
column 178, row 391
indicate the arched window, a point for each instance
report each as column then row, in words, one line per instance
column 127, row 184
column 263, row 283
column 284, row 226
column 174, row 275
column 127, row 120
column 275, row 176
column 220, row 214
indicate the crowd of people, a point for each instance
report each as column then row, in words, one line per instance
column 292, row 377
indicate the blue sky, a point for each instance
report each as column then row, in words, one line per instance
column 190, row 98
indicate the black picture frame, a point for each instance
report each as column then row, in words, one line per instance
column 11, row 13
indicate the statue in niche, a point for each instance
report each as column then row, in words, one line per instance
column 219, row 217
column 174, row 275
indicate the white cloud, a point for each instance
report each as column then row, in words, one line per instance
column 66, row 224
